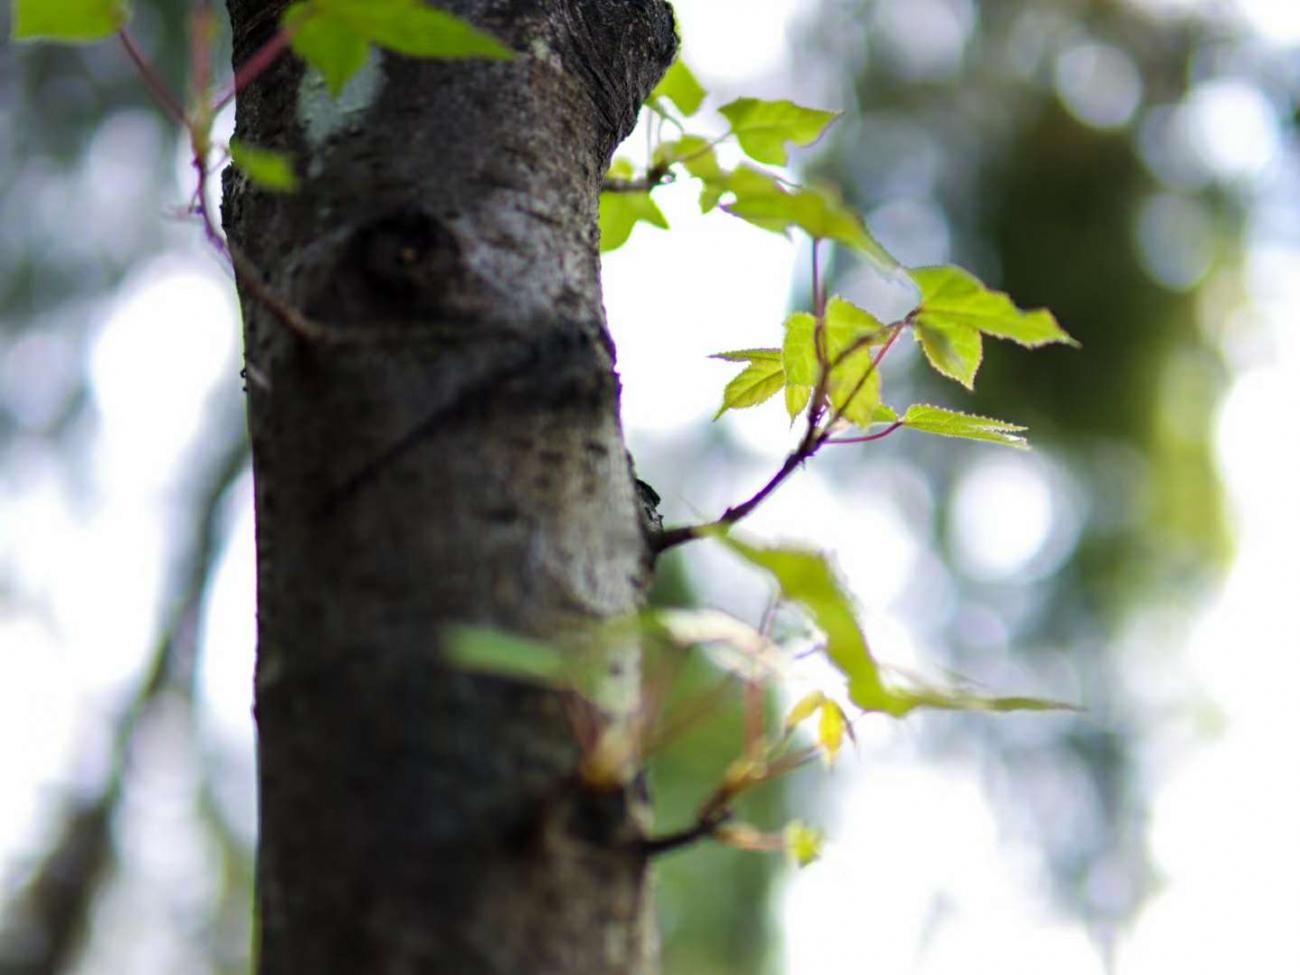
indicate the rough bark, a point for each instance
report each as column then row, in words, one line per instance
column 451, row 453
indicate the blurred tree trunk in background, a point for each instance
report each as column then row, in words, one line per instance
column 450, row 453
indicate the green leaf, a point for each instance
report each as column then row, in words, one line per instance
column 266, row 168
column 328, row 43
column 831, row 729
column 950, row 295
column 967, row 426
column 797, row 396
column 744, row 182
column 806, row 578
column 69, row 21
column 843, row 316
column 759, row 382
column 763, row 128
column 696, row 154
column 803, row 843
column 854, row 385
column 952, row 348
column 334, row 36
column 681, row 87
column 414, row 28
column 818, row 211
column 749, row 355
column 799, row 352
column 620, row 212
column 799, row 357
column 729, row 644
column 939, row 699
column 506, row 655
column 804, row 708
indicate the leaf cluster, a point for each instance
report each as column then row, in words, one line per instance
column 764, row 131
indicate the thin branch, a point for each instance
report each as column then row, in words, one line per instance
column 254, row 67
column 248, row 273
column 676, row 536
column 153, row 80
column 199, row 205
column 202, row 28
column 702, row 150
column 703, row 828
column 818, row 285
column 689, row 715
column 815, row 437
column 867, row 438
column 250, row 277
column 753, row 700
column 655, row 177
column 660, row 174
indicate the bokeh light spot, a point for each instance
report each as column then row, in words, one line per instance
column 1099, row 84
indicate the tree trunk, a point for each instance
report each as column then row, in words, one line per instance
column 449, row 451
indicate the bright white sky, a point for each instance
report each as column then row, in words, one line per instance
column 903, row 831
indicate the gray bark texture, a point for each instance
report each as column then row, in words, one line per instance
column 448, row 451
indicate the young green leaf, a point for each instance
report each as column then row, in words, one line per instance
column 854, row 385
column 681, row 87
column 846, row 318
column 806, row 578
column 818, row 211
column 939, row 699
column 506, row 655
column 760, row 381
column 745, row 772
column 967, row 426
column 763, row 128
column 334, row 36
column 797, row 396
column 615, row 758
column 804, row 708
column 729, row 644
column 696, row 154
column 620, row 212
column 950, row 295
column 744, row 182
column 414, row 28
column 327, row 43
column 799, row 356
column 954, row 349
column 68, row 21
column 803, row 843
column 266, row 168
column 799, row 351
column 963, row 701
column 848, row 334
column 831, row 729
column 749, row 355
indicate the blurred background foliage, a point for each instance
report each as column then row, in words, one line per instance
column 1098, row 157
column 1075, row 153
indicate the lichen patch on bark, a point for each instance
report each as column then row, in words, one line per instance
column 321, row 116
